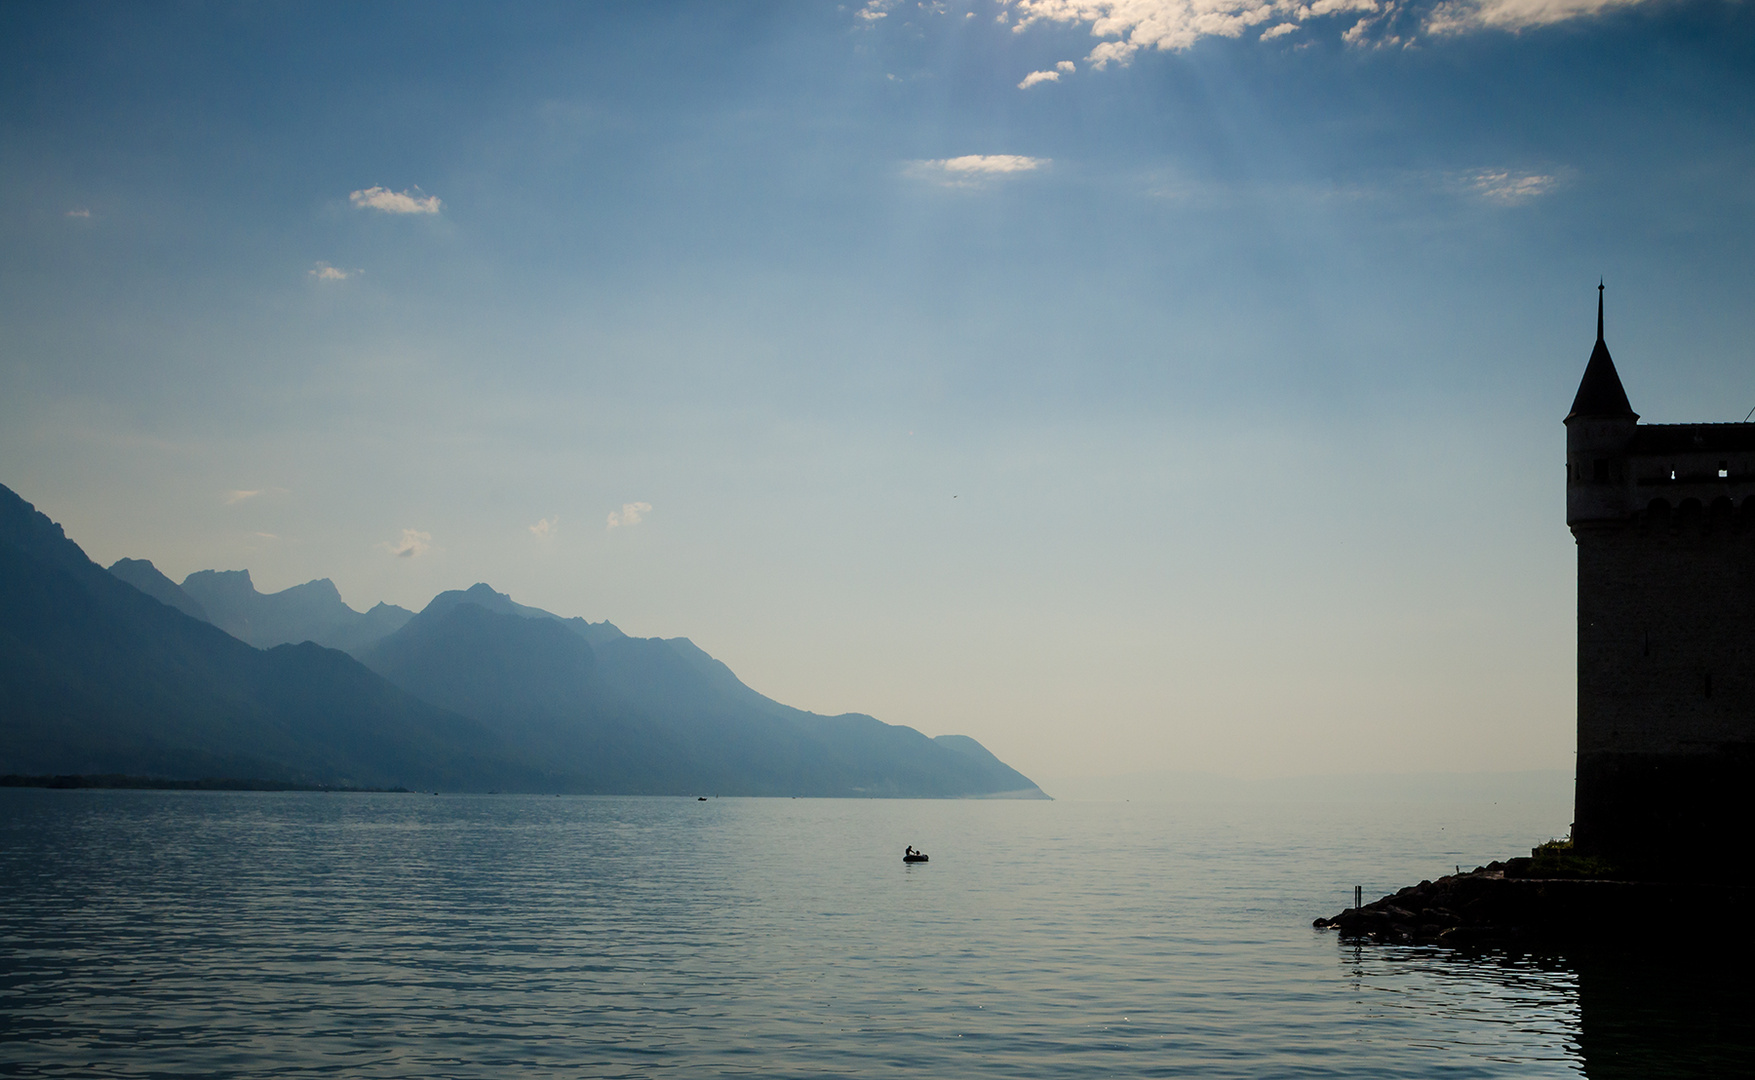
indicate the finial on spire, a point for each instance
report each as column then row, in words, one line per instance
column 1599, row 309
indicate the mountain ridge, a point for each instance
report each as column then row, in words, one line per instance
column 312, row 611
column 146, row 577
column 100, row 676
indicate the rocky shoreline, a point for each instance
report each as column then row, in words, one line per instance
column 1496, row 905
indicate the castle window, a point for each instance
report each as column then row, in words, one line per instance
column 1724, row 468
column 1672, row 472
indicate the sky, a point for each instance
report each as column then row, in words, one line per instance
column 1133, row 385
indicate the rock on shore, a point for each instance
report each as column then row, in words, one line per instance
column 1486, row 906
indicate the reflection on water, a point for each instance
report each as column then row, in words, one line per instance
column 1649, row 1014
column 237, row 934
column 1612, row 1014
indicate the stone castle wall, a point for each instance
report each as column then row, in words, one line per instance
column 1665, row 529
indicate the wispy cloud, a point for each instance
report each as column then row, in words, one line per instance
column 1504, row 186
column 412, row 545
column 1463, row 16
column 971, row 169
column 324, row 272
column 546, row 528
column 80, row 213
column 876, row 9
column 395, row 202
column 630, row 514
column 1065, row 67
column 1173, row 25
column 239, row 495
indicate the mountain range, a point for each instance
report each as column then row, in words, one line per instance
column 126, row 671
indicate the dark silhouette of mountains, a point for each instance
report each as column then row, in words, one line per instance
column 98, row 677
column 105, row 672
column 313, row 611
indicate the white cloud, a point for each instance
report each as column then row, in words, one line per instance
column 1505, row 186
column 324, row 272
column 876, row 9
column 630, row 514
column 1065, row 67
column 395, row 202
column 80, row 213
column 545, row 528
column 1159, row 24
column 990, row 163
column 412, row 545
column 1173, row 25
column 971, row 169
column 1358, row 33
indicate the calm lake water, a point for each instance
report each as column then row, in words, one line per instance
column 250, row 934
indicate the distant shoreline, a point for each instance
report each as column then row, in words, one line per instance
column 120, row 782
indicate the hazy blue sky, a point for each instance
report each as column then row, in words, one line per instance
column 1164, row 384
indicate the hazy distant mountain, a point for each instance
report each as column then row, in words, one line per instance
column 98, row 677
column 475, row 692
column 313, row 611
column 534, row 683
column 656, row 715
column 144, row 576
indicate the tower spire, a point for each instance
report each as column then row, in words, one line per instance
column 1600, row 394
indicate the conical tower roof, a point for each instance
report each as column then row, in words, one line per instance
column 1600, row 392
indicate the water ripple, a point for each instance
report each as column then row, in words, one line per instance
column 240, row 934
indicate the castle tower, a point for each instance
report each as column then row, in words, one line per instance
column 1664, row 519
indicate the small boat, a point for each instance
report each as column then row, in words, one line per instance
column 916, row 857
column 700, row 798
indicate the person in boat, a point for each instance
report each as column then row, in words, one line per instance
column 910, row 851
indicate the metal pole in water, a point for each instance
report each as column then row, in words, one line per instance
column 1358, row 897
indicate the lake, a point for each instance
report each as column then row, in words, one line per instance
column 293, row 934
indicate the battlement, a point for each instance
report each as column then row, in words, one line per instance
column 1616, row 471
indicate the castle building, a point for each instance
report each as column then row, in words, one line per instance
column 1664, row 519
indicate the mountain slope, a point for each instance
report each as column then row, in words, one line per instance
column 651, row 715
column 533, row 681
column 98, row 677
